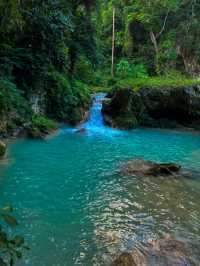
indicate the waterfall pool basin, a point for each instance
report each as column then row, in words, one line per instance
column 74, row 209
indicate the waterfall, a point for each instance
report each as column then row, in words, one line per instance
column 95, row 121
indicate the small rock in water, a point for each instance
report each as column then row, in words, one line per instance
column 81, row 130
column 2, row 148
column 162, row 252
column 147, row 168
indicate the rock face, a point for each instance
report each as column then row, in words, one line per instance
column 2, row 148
column 155, row 107
column 141, row 167
column 124, row 109
column 162, row 252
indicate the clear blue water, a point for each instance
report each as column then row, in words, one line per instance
column 74, row 209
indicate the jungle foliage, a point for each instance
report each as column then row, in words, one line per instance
column 42, row 47
column 161, row 35
column 58, row 50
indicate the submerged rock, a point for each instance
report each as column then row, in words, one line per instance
column 125, row 259
column 162, row 252
column 141, row 167
column 166, row 107
column 2, row 148
column 80, row 131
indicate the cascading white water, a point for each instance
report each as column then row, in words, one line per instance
column 95, row 120
column 95, row 123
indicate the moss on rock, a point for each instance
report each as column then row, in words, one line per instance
column 166, row 107
column 40, row 127
column 124, row 109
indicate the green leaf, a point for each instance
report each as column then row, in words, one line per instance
column 10, row 220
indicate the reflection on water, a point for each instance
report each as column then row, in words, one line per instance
column 75, row 210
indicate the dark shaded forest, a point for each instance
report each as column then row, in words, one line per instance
column 54, row 53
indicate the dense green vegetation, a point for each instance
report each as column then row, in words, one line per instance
column 43, row 49
column 53, row 52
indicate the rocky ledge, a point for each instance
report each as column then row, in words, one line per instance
column 161, row 252
column 140, row 167
column 167, row 107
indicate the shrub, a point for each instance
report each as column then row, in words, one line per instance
column 40, row 127
column 84, row 70
column 67, row 100
column 139, row 71
column 43, row 123
column 125, row 69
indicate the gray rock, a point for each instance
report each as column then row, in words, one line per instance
column 141, row 167
column 162, row 252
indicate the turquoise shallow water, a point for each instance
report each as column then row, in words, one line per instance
column 74, row 209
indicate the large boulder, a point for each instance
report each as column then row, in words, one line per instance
column 181, row 104
column 124, row 109
column 2, row 148
column 140, row 167
column 167, row 107
column 162, row 252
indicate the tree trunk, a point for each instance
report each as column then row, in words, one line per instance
column 113, row 44
column 190, row 63
column 155, row 44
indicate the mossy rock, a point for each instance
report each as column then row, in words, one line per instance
column 40, row 127
column 2, row 148
column 35, row 133
column 124, row 109
column 125, row 122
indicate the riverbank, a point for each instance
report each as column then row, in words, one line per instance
column 154, row 106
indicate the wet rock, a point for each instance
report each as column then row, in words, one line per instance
column 180, row 104
column 36, row 133
column 162, row 252
column 2, row 148
column 166, row 107
column 81, row 131
column 123, row 110
column 125, row 259
column 141, row 167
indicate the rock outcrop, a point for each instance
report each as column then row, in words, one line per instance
column 155, row 107
column 141, row 167
column 124, row 109
column 162, row 252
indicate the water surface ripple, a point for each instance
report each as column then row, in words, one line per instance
column 74, row 209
